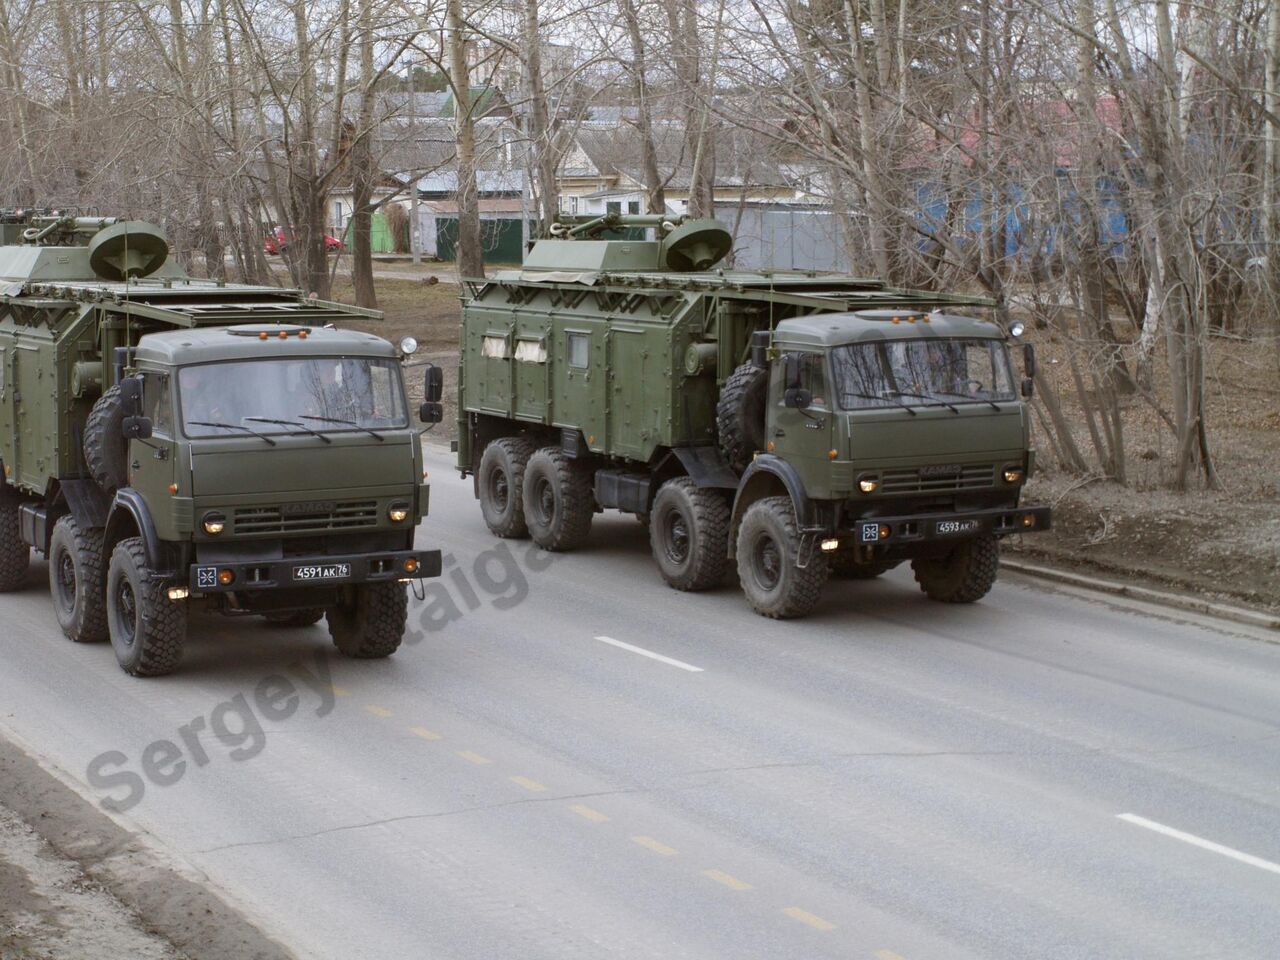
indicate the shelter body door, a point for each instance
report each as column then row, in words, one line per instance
column 582, row 399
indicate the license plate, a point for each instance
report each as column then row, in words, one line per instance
column 325, row 571
column 947, row 528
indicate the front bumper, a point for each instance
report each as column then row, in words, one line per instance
column 938, row 527
column 306, row 572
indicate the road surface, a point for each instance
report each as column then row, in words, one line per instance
column 570, row 760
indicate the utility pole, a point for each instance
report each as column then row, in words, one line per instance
column 415, row 224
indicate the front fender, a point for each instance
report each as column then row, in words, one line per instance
column 768, row 476
column 130, row 516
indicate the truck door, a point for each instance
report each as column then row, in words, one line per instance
column 802, row 437
column 152, row 465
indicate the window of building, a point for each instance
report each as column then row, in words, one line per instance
column 633, row 206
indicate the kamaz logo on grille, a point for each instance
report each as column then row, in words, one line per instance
column 940, row 470
column 316, row 506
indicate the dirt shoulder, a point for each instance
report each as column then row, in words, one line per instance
column 1220, row 548
column 74, row 884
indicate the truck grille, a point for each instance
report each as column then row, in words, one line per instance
column 306, row 517
column 972, row 476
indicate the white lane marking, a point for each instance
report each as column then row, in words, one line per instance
column 651, row 655
column 1195, row 841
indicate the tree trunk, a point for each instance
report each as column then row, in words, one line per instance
column 362, row 170
column 469, row 253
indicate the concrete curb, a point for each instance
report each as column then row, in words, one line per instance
column 1223, row 611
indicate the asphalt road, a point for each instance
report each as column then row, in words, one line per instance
column 890, row 778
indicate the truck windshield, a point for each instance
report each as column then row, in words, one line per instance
column 327, row 394
column 889, row 373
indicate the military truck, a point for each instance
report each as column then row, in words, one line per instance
column 167, row 441
column 789, row 424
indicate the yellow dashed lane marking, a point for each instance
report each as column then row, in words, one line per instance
column 528, row 784
column 424, row 733
column 340, row 691
column 804, row 916
column 379, row 711
column 730, row 881
column 887, row 955
column 595, row 816
column 657, row 846
column 473, row 757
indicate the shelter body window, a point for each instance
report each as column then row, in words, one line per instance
column 579, row 350
column 531, row 351
column 494, row 347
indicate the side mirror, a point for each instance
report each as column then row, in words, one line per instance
column 131, row 394
column 1028, row 388
column 136, row 428
column 434, row 387
column 797, row 397
column 1029, row 359
column 790, row 372
column 431, row 412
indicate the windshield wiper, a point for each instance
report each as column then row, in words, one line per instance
column 231, row 426
column 928, row 396
column 349, row 423
column 872, row 396
column 965, row 396
column 291, row 423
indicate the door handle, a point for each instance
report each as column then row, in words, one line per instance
column 779, row 432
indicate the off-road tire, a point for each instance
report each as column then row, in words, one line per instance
column 740, row 415
column 558, row 502
column 689, row 535
column 148, row 630
column 966, row 575
column 768, row 543
column 501, row 482
column 15, row 556
column 78, row 581
column 372, row 625
column 105, row 451
column 295, row 618
column 845, row 567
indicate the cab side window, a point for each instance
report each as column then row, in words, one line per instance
column 156, row 402
column 813, row 377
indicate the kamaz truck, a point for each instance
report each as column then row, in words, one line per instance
column 167, row 441
column 792, row 425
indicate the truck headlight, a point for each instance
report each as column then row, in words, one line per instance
column 1013, row 474
column 398, row 512
column 214, row 523
column 868, row 484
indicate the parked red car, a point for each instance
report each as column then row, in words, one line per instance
column 274, row 242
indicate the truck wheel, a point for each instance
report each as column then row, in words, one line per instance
column 501, row 480
column 371, row 625
column 689, row 535
column 558, row 504
column 295, row 618
column 740, row 415
column 77, row 580
column 15, row 556
column 966, row 575
column 105, row 451
column 768, row 542
column 845, row 567
column 147, row 629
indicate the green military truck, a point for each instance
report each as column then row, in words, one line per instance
column 798, row 424
column 166, row 440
